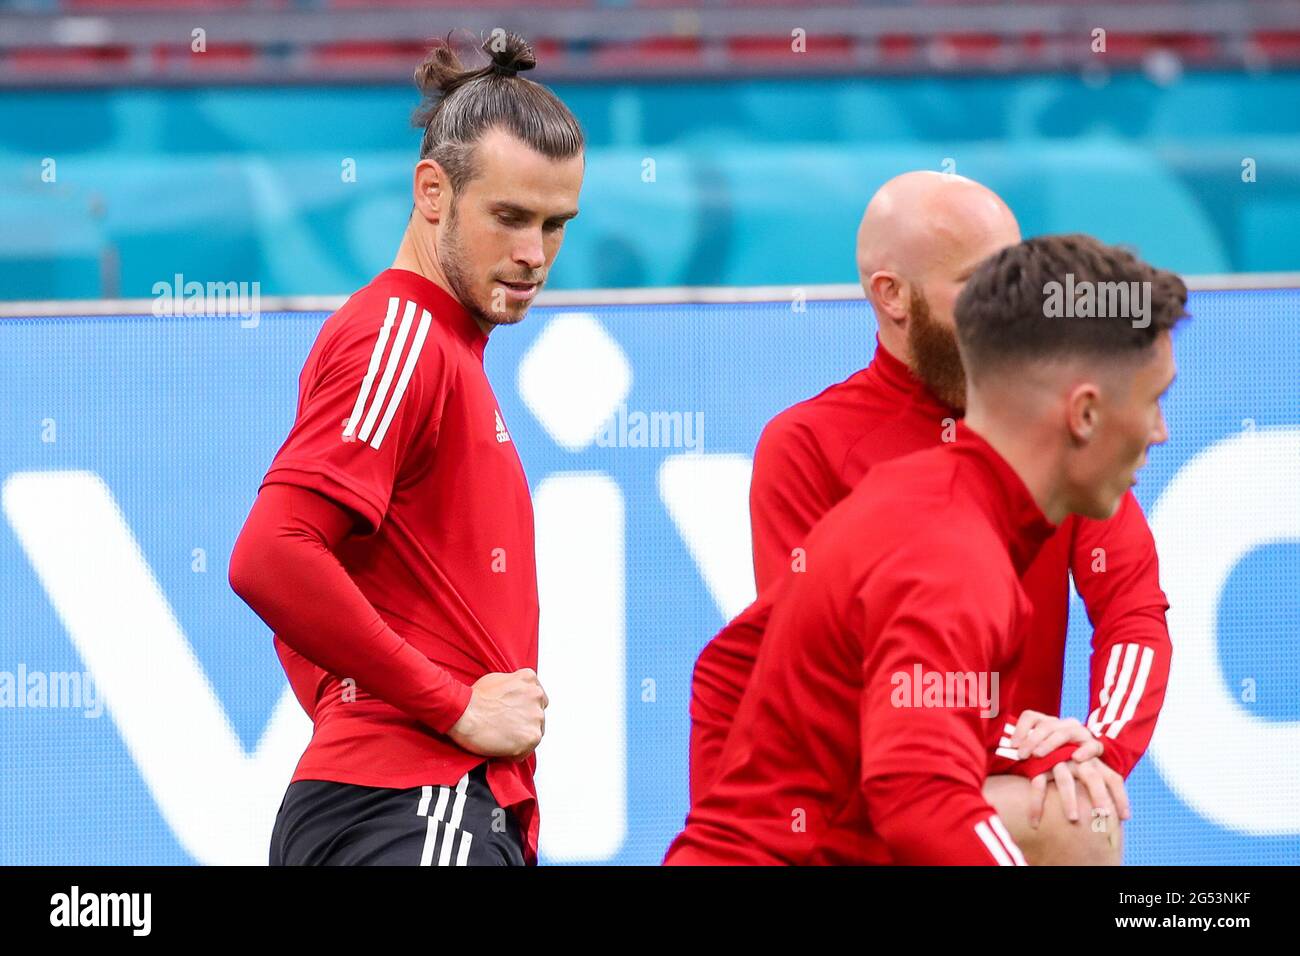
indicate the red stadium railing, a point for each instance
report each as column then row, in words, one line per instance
column 134, row 41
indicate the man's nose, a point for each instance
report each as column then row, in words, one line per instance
column 530, row 252
column 1162, row 431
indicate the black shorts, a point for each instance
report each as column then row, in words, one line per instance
column 323, row 823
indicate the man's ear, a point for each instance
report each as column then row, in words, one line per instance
column 889, row 294
column 1084, row 412
column 431, row 190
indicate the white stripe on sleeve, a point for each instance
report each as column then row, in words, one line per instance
column 354, row 420
column 1135, row 695
column 1107, row 685
column 405, row 377
column 992, row 844
column 1125, row 675
column 1000, row 829
column 390, row 370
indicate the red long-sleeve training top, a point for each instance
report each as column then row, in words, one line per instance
column 836, row 755
column 812, row 455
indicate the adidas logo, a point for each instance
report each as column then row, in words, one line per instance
column 502, row 435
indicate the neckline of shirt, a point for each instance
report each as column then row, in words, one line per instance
column 1022, row 521
column 895, row 374
column 446, row 307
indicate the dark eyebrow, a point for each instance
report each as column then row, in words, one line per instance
column 510, row 207
column 525, row 213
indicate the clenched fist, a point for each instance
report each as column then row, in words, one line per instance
column 506, row 716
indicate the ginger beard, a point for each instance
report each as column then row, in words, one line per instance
column 936, row 360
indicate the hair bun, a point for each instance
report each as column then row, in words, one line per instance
column 442, row 72
column 510, row 53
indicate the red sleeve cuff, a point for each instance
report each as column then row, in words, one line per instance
column 1117, row 760
column 1031, row 766
column 458, row 702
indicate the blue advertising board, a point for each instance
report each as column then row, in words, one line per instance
column 147, row 721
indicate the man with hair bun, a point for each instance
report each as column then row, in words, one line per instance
column 390, row 547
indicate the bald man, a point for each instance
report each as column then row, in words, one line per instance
column 922, row 236
column 921, row 569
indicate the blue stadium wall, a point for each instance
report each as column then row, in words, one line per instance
column 755, row 182
column 131, row 449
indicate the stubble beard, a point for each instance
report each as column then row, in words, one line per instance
column 451, row 257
